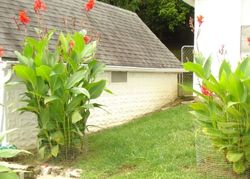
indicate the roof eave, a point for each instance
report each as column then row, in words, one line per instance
column 144, row 69
column 190, row 2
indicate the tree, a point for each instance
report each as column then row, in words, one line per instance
column 168, row 19
column 131, row 5
column 158, row 14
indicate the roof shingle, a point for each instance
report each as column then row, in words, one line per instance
column 125, row 39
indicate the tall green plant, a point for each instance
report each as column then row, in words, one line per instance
column 60, row 85
column 223, row 111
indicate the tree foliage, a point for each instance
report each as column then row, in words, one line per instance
column 159, row 15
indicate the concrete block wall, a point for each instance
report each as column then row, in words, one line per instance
column 141, row 94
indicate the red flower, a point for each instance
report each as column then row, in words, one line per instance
column 248, row 39
column 1, row 52
column 39, row 5
column 205, row 91
column 89, row 5
column 86, row 39
column 23, row 17
column 200, row 19
column 71, row 44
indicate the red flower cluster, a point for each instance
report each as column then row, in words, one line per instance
column 86, row 39
column 205, row 91
column 23, row 17
column 248, row 39
column 39, row 5
column 89, row 5
column 200, row 19
column 1, row 52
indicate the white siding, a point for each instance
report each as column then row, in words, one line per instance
column 141, row 94
column 222, row 26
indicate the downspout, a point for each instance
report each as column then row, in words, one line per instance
column 5, row 76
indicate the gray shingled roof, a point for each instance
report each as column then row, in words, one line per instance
column 125, row 39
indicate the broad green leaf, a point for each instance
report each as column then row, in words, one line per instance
column 108, row 91
column 41, row 152
column 79, row 90
column 75, row 102
column 7, row 174
column 79, row 42
column 95, row 68
column 55, row 150
column 214, row 133
column 9, row 153
column 196, row 68
column 28, row 108
column 58, row 69
column 50, row 99
column 226, row 67
column 24, row 60
column 75, row 78
column 199, row 58
column 96, row 89
column 64, row 43
column 56, row 83
column 4, row 169
column 58, row 137
column 227, row 124
column 28, row 52
column 89, row 50
column 233, row 156
column 236, row 88
column 76, row 116
column 44, row 71
column 207, row 67
column 26, row 74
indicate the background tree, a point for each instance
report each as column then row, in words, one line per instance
column 168, row 19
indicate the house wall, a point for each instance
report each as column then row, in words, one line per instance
column 223, row 20
column 141, row 94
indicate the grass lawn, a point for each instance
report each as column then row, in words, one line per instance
column 160, row 145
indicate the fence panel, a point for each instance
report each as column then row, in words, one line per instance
column 186, row 78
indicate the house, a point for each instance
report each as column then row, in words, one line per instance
column 226, row 24
column 141, row 72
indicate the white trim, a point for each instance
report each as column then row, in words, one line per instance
column 5, row 75
column 133, row 69
column 190, row 2
column 141, row 69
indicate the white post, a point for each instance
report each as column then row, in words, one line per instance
column 4, row 77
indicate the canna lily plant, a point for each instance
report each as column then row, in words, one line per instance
column 222, row 111
column 61, row 83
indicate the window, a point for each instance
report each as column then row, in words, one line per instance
column 119, row 77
